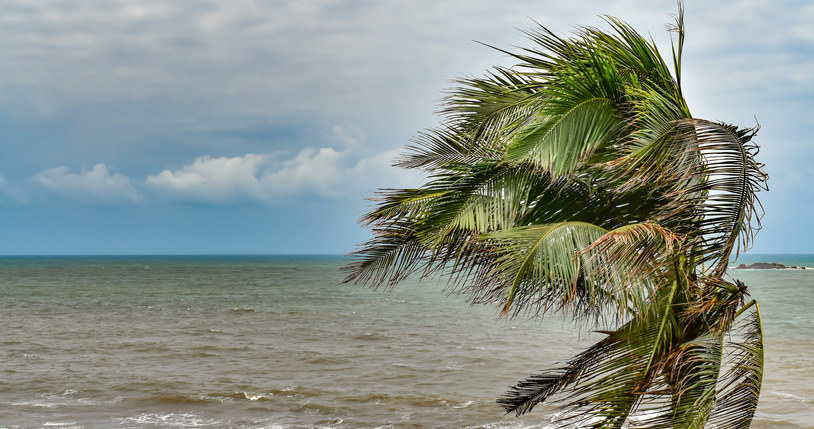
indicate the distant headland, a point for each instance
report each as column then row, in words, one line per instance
column 768, row 266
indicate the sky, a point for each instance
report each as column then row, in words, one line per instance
column 260, row 127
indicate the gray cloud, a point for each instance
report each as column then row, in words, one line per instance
column 229, row 64
column 150, row 84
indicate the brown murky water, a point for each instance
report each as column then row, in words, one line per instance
column 276, row 342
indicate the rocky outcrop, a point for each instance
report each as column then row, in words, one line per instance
column 768, row 266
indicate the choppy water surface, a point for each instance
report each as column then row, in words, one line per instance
column 277, row 342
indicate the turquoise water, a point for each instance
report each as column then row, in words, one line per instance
column 148, row 342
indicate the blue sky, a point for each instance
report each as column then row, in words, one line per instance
column 238, row 126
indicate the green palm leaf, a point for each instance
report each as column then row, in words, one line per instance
column 738, row 396
column 578, row 181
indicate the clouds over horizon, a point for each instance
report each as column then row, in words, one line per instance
column 221, row 61
column 266, row 178
column 141, row 108
column 260, row 178
column 257, row 178
column 94, row 185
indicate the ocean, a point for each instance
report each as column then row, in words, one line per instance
column 278, row 342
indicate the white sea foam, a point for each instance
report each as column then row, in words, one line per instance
column 257, row 397
column 66, row 399
column 168, row 420
column 789, row 396
column 35, row 403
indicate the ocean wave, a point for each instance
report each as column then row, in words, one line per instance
column 67, row 399
column 760, row 422
column 243, row 396
column 236, row 396
column 211, row 398
column 412, row 401
column 464, row 405
column 168, row 420
column 182, row 399
column 789, row 396
column 257, row 397
column 370, row 336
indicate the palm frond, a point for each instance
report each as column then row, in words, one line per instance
column 738, row 397
column 387, row 259
column 730, row 207
column 545, row 261
column 631, row 261
column 578, row 181
column 439, row 149
column 522, row 397
column 562, row 141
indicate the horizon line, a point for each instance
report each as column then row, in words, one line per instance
column 86, row 255
column 10, row 255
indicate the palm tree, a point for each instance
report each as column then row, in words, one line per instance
column 578, row 182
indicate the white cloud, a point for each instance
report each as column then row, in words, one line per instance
column 94, row 185
column 213, row 180
column 319, row 171
column 265, row 178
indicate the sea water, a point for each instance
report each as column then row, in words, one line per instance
column 153, row 342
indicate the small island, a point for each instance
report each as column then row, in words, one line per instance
column 768, row 266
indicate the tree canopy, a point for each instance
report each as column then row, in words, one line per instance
column 578, row 181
